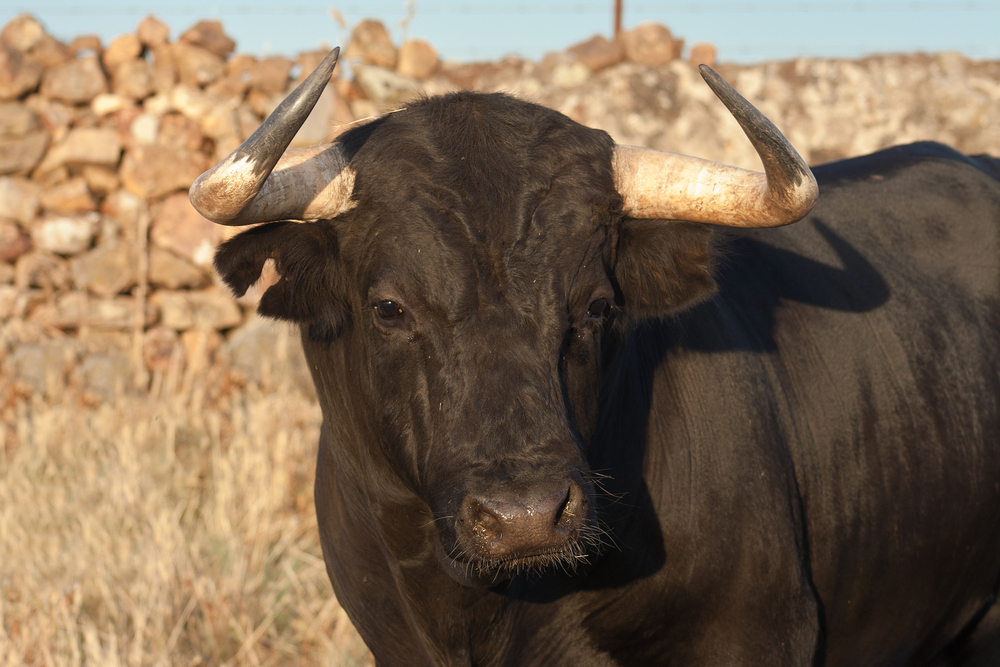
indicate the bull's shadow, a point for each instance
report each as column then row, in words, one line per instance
column 757, row 277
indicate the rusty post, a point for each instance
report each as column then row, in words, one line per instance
column 618, row 18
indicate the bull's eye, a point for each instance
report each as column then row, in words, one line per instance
column 598, row 309
column 388, row 311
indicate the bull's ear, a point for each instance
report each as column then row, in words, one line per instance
column 663, row 266
column 309, row 289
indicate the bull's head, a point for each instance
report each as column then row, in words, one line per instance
column 456, row 273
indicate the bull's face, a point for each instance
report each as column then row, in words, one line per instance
column 456, row 309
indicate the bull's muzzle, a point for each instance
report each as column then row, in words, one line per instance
column 523, row 528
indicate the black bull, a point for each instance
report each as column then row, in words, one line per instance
column 557, row 435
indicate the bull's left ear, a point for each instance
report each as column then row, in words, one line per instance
column 663, row 266
column 306, row 255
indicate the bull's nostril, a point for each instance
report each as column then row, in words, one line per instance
column 485, row 523
column 564, row 515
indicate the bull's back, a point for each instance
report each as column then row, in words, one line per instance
column 867, row 338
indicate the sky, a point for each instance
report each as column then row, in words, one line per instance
column 743, row 31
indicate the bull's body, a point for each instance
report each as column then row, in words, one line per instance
column 808, row 463
column 801, row 468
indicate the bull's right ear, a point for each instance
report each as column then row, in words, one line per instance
column 309, row 291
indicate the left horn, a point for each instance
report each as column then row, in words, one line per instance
column 656, row 184
column 261, row 181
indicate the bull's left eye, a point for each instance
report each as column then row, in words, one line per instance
column 388, row 311
column 598, row 309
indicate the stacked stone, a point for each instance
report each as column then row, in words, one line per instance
column 99, row 246
column 105, row 268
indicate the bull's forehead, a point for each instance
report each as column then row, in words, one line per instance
column 459, row 264
column 482, row 197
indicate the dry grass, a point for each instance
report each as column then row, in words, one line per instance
column 170, row 528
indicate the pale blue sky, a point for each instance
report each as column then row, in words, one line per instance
column 743, row 30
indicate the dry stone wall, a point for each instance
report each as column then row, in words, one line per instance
column 105, row 268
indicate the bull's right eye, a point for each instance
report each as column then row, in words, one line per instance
column 388, row 311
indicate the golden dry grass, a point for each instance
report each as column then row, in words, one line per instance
column 174, row 527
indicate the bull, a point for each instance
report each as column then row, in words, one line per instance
column 570, row 420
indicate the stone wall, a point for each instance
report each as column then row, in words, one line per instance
column 105, row 279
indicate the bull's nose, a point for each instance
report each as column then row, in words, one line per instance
column 524, row 527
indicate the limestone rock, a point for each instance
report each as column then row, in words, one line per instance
column 177, row 131
column 109, row 103
column 21, row 154
column 649, row 44
column 385, row 87
column 133, row 79
column 76, row 81
column 233, row 85
column 309, row 61
column 370, row 43
column 19, row 74
column 417, row 59
column 8, row 302
column 271, row 75
column 56, row 117
column 101, row 180
column 702, row 53
column 22, row 33
column 20, row 199
column 145, row 129
column 250, row 121
column 192, row 102
column 164, row 68
column 196, row 66
column 181, row 229
column 85, row 145
column 51, row 52
column 65, row 234
column 73, row 310
column 152, row 32
column 107, row 270
column 72, row 196
column 168, row 271
column 154, row 171
column 87, row 44
column 42, row 270
column 17, row 120
column 122, row 49
column 210, row 36
column 568, row 75
column 268, row 353
column 14, row 241
column 209, row 308
column 222, row 122
column 598, row 52
column 128, row 209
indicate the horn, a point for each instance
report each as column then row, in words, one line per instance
column 261, row 181
column 657, row 184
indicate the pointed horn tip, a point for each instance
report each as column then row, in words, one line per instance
column 710, row 75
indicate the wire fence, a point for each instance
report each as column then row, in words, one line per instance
column 793, row 7
column 962, row 25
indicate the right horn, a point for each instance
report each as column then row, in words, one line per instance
column 657, row 184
